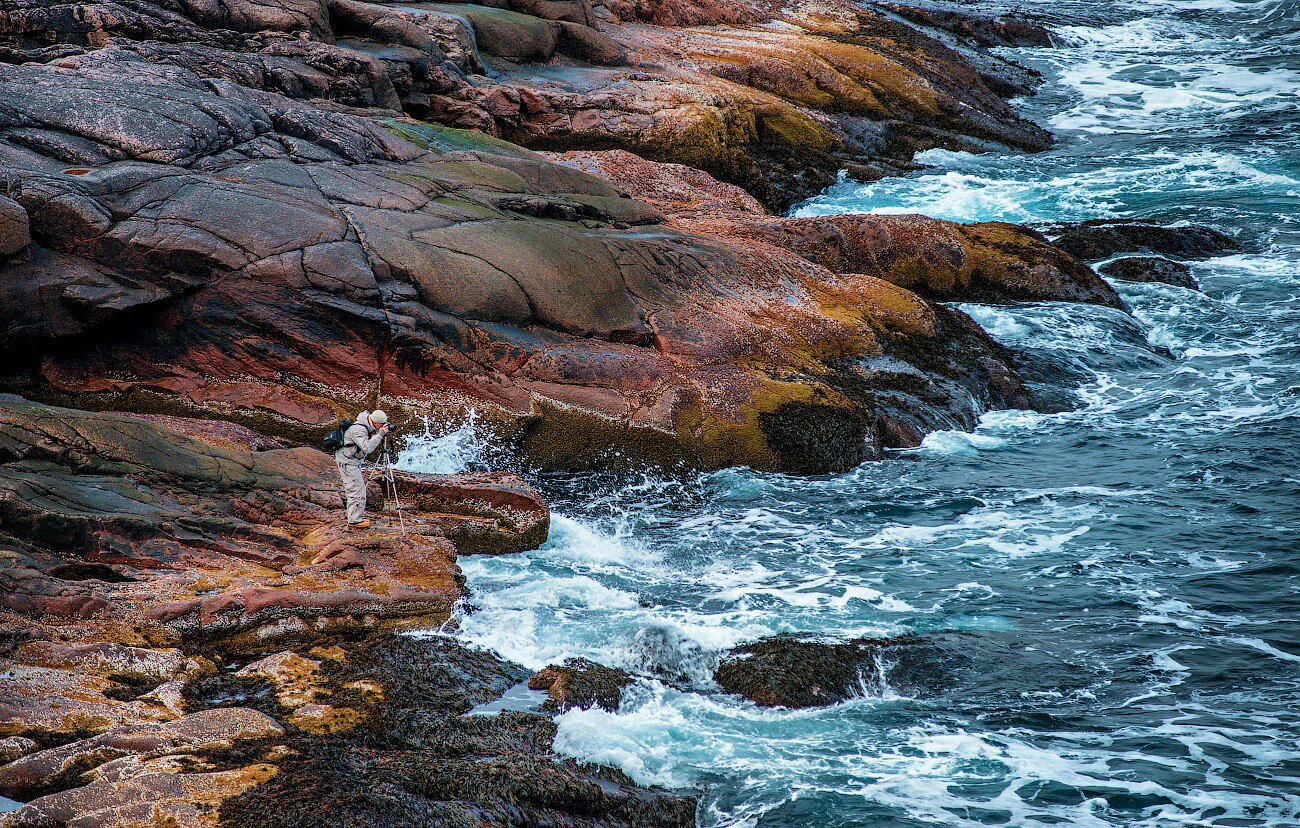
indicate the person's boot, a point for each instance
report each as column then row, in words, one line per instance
column 364, row 524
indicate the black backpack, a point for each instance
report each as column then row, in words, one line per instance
column 334, row 440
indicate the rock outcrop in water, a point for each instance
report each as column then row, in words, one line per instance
column 219, row 212
column 1150, row 269
column 1100, row 238
column 579, row 682
column 795, row 672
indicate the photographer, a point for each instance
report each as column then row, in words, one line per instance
column 359, row 441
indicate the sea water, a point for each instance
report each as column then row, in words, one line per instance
column 1123, row 576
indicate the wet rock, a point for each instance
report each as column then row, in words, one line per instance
column 1100, row 238
column 494, row 513
column 984, row 29
column 296, row 679
column 976, row 35
column 1150, row 269
column 789, row 671
column 106, row 659
column 579, row 682
column 792, row 672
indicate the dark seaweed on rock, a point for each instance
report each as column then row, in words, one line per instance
column 579, row 682
column 1150, row 269
column 417, row 760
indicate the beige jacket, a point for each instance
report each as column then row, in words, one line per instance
column 358, row 441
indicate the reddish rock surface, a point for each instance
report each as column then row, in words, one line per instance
column 775, row 97
column 283, row 275
column 111, row 516
column 939, row 260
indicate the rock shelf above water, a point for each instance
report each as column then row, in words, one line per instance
column 189, row 637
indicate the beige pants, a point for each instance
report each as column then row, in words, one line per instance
column 354, row 490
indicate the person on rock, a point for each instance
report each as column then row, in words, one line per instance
column 361, row 438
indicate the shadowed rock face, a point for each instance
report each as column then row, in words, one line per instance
column 1150, row 269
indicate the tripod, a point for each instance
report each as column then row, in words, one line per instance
column 391, row 479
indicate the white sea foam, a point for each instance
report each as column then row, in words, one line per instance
column 960, row 443
column 442, row 450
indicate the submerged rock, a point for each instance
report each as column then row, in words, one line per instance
column 1150, row 269
column 1100, row 238
column 581, row 683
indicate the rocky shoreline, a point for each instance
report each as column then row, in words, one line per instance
column 223, row 226
column 233, row 213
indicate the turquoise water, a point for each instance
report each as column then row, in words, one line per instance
column 1122, row 577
